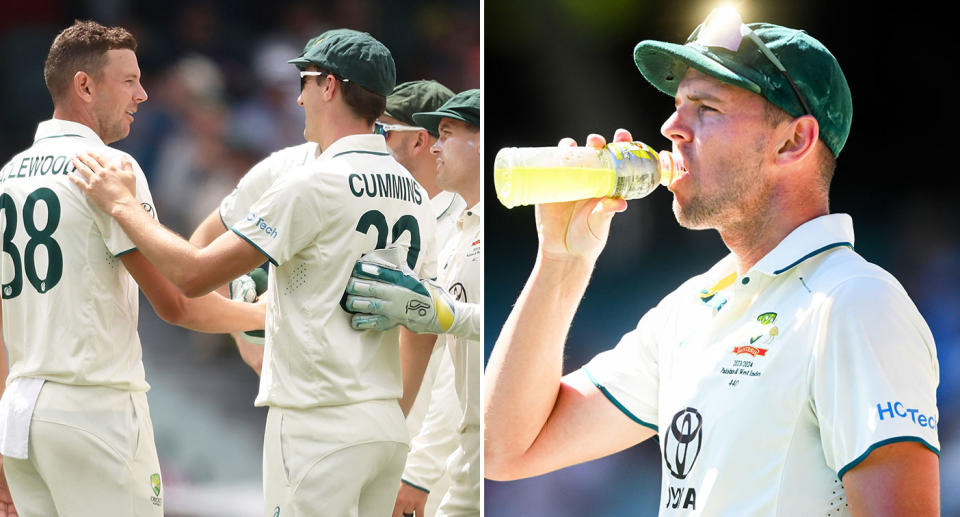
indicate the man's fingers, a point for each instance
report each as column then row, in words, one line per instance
column 81, row 167
column 596, row 141
column 567, row 142
column 622, row 135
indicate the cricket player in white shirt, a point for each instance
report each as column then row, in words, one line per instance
column 75, row 428
column 335, row 439
column 411, row 145
column 452, row 307
column 793, row 377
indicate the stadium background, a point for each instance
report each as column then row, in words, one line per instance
column 555, row 68
column 221, row 97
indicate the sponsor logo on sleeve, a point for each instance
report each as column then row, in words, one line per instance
column 895, row 410
column 262, row 225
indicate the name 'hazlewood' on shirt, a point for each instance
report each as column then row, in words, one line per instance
column 30, row 166
column 385, row 185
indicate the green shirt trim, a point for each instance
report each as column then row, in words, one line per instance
column 881, row 443
column 617, row 403
column 265, row 254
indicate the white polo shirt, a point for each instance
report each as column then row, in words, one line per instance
column 767, row 388
column 313, row 223
column 69, row 306
column 255, row 182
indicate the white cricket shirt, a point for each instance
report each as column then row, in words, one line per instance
column 255, row 182
column 767, row 388
column 312, row 224
column 69, row 305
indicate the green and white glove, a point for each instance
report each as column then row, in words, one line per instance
column 248, row 288
column 383, row 292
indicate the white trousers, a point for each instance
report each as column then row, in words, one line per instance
column 91, row 454
column 308, row 474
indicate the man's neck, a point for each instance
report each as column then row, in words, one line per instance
column 73, row 115
column 752, row 240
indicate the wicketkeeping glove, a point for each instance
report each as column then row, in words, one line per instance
column 248, row 288
column 383, row 292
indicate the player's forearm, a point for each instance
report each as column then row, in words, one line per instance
column 215, row 314
column 415, row 350
column 208, row 230
column 523, row 375
column 176, row 259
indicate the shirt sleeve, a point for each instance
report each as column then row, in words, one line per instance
column 235, row 206
column 115, row 239
column 628, row 374
column 274, row 223
column 437, row 438
column 875, row 373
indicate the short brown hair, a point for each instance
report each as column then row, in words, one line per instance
column 83, row 47
column 362, row 102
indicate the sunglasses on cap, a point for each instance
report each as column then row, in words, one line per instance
column 725, row 29
column 379, row 128
column 313, row 73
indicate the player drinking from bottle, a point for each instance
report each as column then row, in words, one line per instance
column 793, row 377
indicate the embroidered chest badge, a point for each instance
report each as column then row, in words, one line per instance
column 761, row 332
column 768, row 332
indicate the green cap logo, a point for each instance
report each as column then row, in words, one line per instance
column 155, row 483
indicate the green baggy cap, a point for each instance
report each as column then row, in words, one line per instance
column 813, row 68
column 463, row 106
column 416, row 96
column 356, row 56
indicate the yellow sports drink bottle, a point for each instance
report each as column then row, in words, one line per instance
column 533, row 175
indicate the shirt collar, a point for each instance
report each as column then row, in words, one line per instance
column 56, row 128
column 806, row 241
column 363, row 144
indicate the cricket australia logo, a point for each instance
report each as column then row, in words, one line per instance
column 155, row 484
column 681, row 442
column 767, row 333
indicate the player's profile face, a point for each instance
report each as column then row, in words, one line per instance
column 117, row 94
column 721, row 133
column 458, row 154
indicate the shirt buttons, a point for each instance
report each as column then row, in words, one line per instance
column 745, row 281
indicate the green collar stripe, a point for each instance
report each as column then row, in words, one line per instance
column 812, row 253
column 881, row 443
column 57, row 136
column 361, row 152
column 617, row 403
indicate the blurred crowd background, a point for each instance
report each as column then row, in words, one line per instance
column 221, row 97
column 556, row 68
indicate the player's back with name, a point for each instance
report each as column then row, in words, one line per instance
column 56, row 248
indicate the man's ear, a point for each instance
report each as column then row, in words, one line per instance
column 798, row 140
column 422, row 142
column 83, row 86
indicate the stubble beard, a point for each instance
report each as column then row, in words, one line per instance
column 740, row 194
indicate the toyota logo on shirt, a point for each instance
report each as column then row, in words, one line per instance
column 681, row 442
